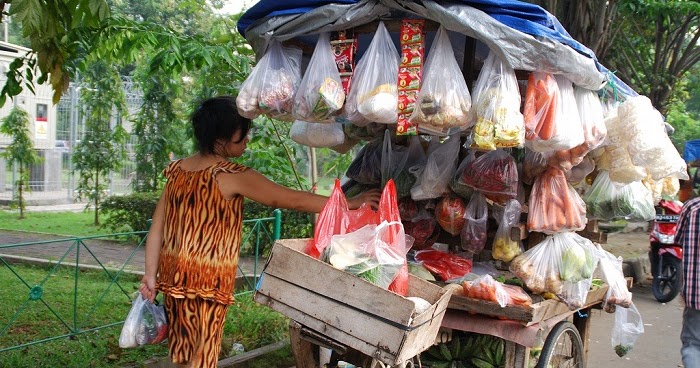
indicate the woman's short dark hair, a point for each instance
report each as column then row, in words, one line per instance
column 217, row 118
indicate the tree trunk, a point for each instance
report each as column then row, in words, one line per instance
column 20, row 197
column 97, row 196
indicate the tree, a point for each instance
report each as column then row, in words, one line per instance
column 20, row 153
column 101, row 150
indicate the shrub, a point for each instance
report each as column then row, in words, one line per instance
column 295, row 225
column 130, row 212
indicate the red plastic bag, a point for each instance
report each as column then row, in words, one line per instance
column 333, row 220
column 446, row 265
column 395, row 236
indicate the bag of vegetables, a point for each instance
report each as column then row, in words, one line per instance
column 554, row 205
column 495, row 174
column 457, row 184
column 474, row 231
column 504, row 247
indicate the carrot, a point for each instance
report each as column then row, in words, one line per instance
column 549, row 121
column 530, row 109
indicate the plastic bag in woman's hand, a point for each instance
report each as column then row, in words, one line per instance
column 374, row 96
column 145, row 324
column 443, row 101
column 320, row 94
column 626, row 330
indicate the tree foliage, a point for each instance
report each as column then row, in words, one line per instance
column 20, row 153
column 101, row 151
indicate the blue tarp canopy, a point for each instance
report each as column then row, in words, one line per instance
column 691, row 152
column 524, row 35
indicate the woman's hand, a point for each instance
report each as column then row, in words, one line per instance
column 148, row 288
column 370, row 197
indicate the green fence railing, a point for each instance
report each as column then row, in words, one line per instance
column 48, row 301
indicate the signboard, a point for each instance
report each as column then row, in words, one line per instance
column 41, row 125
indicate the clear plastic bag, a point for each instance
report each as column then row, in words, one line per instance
column 590, row 111
column 626, row 330
column 504, row 248
column 443, row 101
column 540, row 111
column 423, row 227
column 534, row 164
column 365, row 254
column 456, row 184
column 496, row 107
column 474, row 232
column 272, row 84
column 434, row 178
column 579, row 172
column 366, row 168
column 374, row 96
column 317, row 134
column 606, row 200
column 145, row 324
column 449, row 212
column 562, row 264
column 554, row 205
column 610, row 271
column 495, row 174
column 397, row 160
column 567, row 131
column 320, row 94
column 486, row 288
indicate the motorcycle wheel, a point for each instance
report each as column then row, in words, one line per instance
column 666, row 286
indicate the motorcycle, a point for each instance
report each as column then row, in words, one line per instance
column 665, row 255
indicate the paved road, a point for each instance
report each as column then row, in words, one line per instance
column 658, row 347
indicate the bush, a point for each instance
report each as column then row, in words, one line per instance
column 131, row 212
column 295, row 224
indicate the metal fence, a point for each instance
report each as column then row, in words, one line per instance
column 37, row 299
column 53, row 180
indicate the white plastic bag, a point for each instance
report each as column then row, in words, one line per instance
column 443, row 101
column 496, row 107
column 626, row 330
column 320, row 94
column 270, row 87
column 610, row 271
column 435, row 177
column 568, row 131
column 317, row 134
column 374, row 95
column 145, row 324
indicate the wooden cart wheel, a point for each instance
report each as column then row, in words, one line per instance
column 563, row 348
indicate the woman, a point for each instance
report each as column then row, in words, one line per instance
column 193, row 244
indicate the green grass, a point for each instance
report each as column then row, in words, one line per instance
column 247, row 322
column 60, row 223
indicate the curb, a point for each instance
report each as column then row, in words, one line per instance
column 638, row 268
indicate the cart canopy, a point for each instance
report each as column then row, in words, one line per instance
column 524, row 35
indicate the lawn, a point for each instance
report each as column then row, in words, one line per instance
column 74, row 224
column 23, row 320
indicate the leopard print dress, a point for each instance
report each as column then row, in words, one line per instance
column 198, row 260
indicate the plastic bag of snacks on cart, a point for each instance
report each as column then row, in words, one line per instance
column 270, row 87
column 443, row 101
column 320, row 94
column 145, row 324
column 374, row 96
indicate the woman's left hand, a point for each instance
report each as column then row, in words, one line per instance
column 370, row 197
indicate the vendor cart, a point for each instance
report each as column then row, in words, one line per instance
column 369, row 325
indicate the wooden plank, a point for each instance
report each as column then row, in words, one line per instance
column 303, row 350
column 249, row 355
column 582, row 321
column 551, row 308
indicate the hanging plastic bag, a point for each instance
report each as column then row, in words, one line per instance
column 554, row 205
column 504, row 247
column 540, row 111
column 496, row 107
column 363, row 253
column 434, row 178
column 374, row 96
column 590, row 111
column 395, row 235
column 567, row 132
column 474, row 232
column 485, row 287
column 366, row 167
column 634, row 202
column 495, row 174
column 423, row 227
column 610, row 271
column 445, row 265
column 396, row 161
column 320, row 94
column 457, row 184
column 272, row 84
column 316, row 134
column 449, row 212
column 562, row 264
column 626, row 330
column 443, row 101
column 145, row 324
column 579, row 172
column 534, row 164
